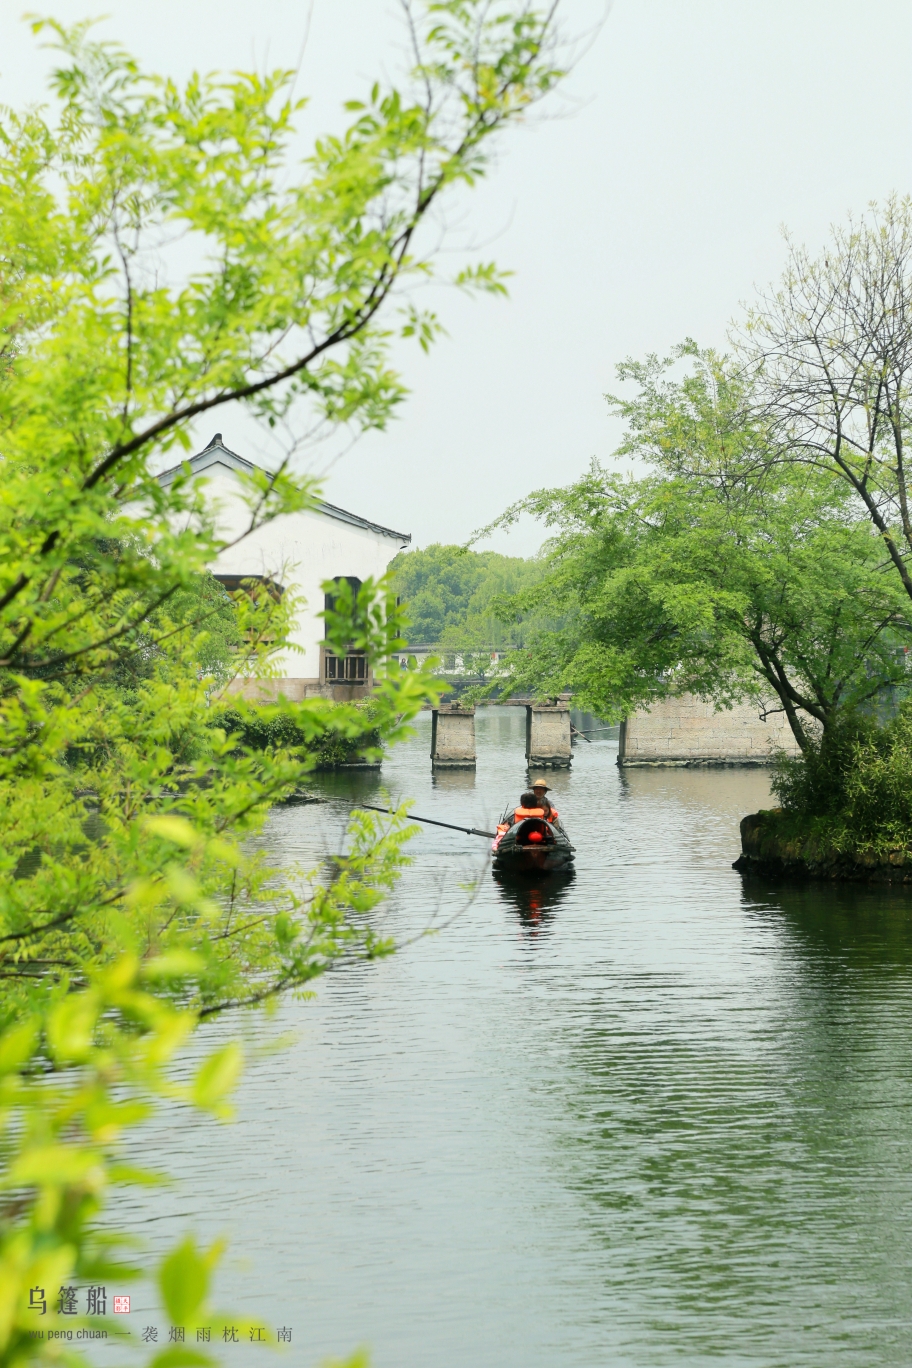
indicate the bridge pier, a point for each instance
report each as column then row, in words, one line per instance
column 548, row 736
column 453, row 736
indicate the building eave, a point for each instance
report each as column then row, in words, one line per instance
column 343, row 515
column 216, row 453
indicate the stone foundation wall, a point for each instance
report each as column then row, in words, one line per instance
column 688, row 731
column 295, row 690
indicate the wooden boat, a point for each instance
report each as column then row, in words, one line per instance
column 532, row 846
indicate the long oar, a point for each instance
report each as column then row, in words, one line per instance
column 470, row 831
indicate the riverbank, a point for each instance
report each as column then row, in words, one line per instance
column 773, row 845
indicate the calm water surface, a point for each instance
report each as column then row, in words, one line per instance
column 652, row 1116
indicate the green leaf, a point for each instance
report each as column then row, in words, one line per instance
column 17, row 1045
column 175, row 829
column 180, row 1356
column 217, row 1077
column 71, row 1027
column 55, row 1165
column 176, row 964
column 184, row 1282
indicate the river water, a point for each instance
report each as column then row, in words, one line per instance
column 652, row 1116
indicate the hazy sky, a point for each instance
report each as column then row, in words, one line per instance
column 696, row 129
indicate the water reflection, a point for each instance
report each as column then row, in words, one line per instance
column 735, row 789
column 837, row 924
column 453, row 780
column 533, row 897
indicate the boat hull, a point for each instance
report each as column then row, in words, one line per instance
column 533, row 846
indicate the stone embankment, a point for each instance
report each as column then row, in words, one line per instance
column 766, row 850
column 685, row 731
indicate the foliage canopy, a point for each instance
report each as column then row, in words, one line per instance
column 453, row 596
column 160, row 258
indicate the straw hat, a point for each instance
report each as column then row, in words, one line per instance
column 539, row 783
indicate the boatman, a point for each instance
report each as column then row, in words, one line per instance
column 541, row 791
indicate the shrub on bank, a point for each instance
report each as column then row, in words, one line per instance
column 270, row 728
column 848, row 796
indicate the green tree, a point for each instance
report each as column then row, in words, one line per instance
column 829, row 353
column 453, row 596
column 158, row 259
column 718, row 574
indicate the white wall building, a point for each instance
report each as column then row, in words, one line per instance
column 297, row 551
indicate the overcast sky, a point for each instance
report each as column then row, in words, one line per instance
column 695, row 130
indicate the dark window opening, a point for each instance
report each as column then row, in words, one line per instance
column 249, row 584
column 348, row 669
column 253, row 586
column 329, row 600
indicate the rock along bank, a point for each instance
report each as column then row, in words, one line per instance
column 770, row 850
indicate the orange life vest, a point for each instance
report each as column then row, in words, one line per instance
column 549, row 816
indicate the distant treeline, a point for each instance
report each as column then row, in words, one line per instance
column 465, row 599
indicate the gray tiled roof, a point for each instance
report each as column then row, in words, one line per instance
column 216, row 453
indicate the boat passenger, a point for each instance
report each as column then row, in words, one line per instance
column 529, row 806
